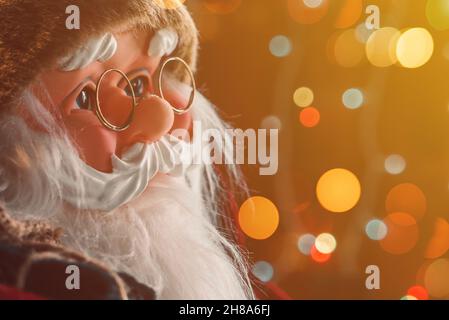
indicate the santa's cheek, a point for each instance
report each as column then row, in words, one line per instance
column 184, row 121
column 95, row 143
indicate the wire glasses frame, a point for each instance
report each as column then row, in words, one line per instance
column 119, row 128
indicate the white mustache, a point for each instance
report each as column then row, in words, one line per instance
column 131, row 174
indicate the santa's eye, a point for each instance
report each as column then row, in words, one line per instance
column 140, row 85
column 85, row 99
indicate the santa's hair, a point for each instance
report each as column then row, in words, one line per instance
column 32, row 164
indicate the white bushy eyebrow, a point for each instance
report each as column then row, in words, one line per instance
column 164, row 42
column 97, row 49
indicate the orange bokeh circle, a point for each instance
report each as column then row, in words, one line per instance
column 403, row 233
column 309, row 117
column 407, row 197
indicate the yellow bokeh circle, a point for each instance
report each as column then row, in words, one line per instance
column 338, row 190
column 414, row 48
column 436, row 278
column 437, row 13
column 258, row 218
column 303, row 97
column 381, row 47
column 348, row 51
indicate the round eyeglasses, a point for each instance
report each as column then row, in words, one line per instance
column 120, row 120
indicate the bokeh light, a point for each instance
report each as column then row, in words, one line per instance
column 376, row 230
column 362, row 33
column 403, row 233
column 436, row 278
column 349, row 14
column 407, row 197
column 325, row 243
column 348, row 51
column 438, row 245
column 309, row 117
column 303, row 97
column 280, row 46
column 263, row 271
column 318, row 256
column 418, row 292
column 258, row 218
column 437, row 12
column 271, row 122
column 307, row 11
column 361, row 109
column 395, row 164
column 353, row 98
column 381, row 47
column 420, row 275
column 305, row 243
column 338, row 190
column 222, row 7
column 414, row 48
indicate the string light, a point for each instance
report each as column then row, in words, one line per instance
column 258, row 218
column 338, row 190
column 414, row 48
column 436, row 278
column 407, row 197
column 325, row 243
column 437, row 13
column 263, row 271
column 305, row 243
column 395, row 164
column 376, row 230
column 303, row 97
column 310, row 117
column 403, row 233
column 381, row 47
column 280, row 46
column 353, row 98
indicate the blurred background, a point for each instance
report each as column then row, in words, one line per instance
column 363, row 116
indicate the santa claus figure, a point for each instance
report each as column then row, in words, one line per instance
column 92, row 174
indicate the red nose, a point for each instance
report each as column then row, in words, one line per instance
column 153, row 119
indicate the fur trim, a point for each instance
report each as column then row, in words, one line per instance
column 33, row 34
column 30, row 251
column 27, row 231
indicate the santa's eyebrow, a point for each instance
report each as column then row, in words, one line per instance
column 96, row 49
column 163, row 43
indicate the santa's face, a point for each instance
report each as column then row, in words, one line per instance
column 142, row 224
column 74, row 94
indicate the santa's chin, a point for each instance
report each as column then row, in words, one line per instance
column 164, row 238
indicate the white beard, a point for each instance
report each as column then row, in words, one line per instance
column 130, row 174
column 165, row 239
